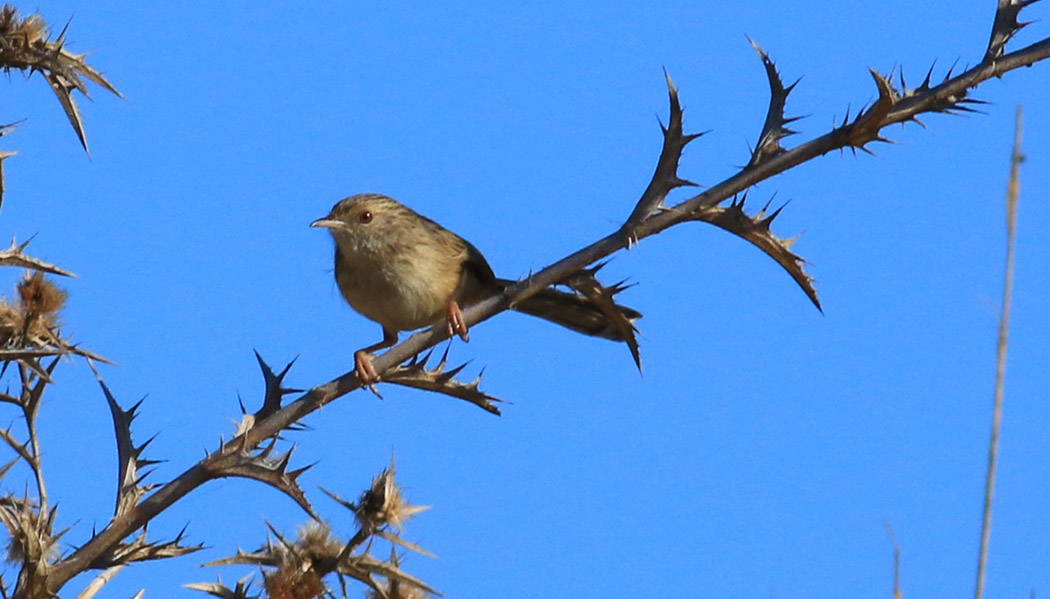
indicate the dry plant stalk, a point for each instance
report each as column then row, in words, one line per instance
column 1013, row 191
column 896, row 560
column 4, row 130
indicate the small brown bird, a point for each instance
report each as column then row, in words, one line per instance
column 405, row 271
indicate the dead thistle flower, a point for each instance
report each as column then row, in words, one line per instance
column 19, row 34
column 30, row 322
column 291, row 583
column 12, row 322
column 29, row 538
column 383, row 503
column 316, row 542
column 303, row 564
column 40, row 295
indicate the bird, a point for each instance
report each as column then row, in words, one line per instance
column 404, row 271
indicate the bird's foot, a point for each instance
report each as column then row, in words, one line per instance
column 366, row 373
column 456, row 324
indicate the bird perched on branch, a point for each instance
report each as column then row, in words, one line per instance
column 405, row 271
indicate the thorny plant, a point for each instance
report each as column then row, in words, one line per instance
column 33, row 345
column 304, row 567
column 299, row 568
column 26, row 45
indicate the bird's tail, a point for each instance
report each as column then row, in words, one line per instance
column 574, row 311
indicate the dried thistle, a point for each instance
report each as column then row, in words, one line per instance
column 22, row 330
column 41, row 296
column 29, row 537
column 316, row 540
column 11, row 319
column 288, row 582
column 302, row 565
column 25, row 45
column 384, row 504
column 30, row 322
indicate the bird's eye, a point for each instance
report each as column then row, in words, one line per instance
column 364, row 217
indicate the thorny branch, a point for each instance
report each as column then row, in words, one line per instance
column 247, row 454
column 648, row 218
column 415, row 374
column 130, row 487
column 32, row 391
column 775, row 127
column 948, row 96
column 16, row 256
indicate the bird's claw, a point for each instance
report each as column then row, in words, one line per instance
column 456, row 324
column 366, row 373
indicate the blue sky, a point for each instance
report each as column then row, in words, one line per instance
column 765, row 445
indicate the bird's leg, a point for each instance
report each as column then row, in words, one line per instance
column 456, row 324
column 366, row 373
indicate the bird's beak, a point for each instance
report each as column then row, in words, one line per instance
column 327, row 223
